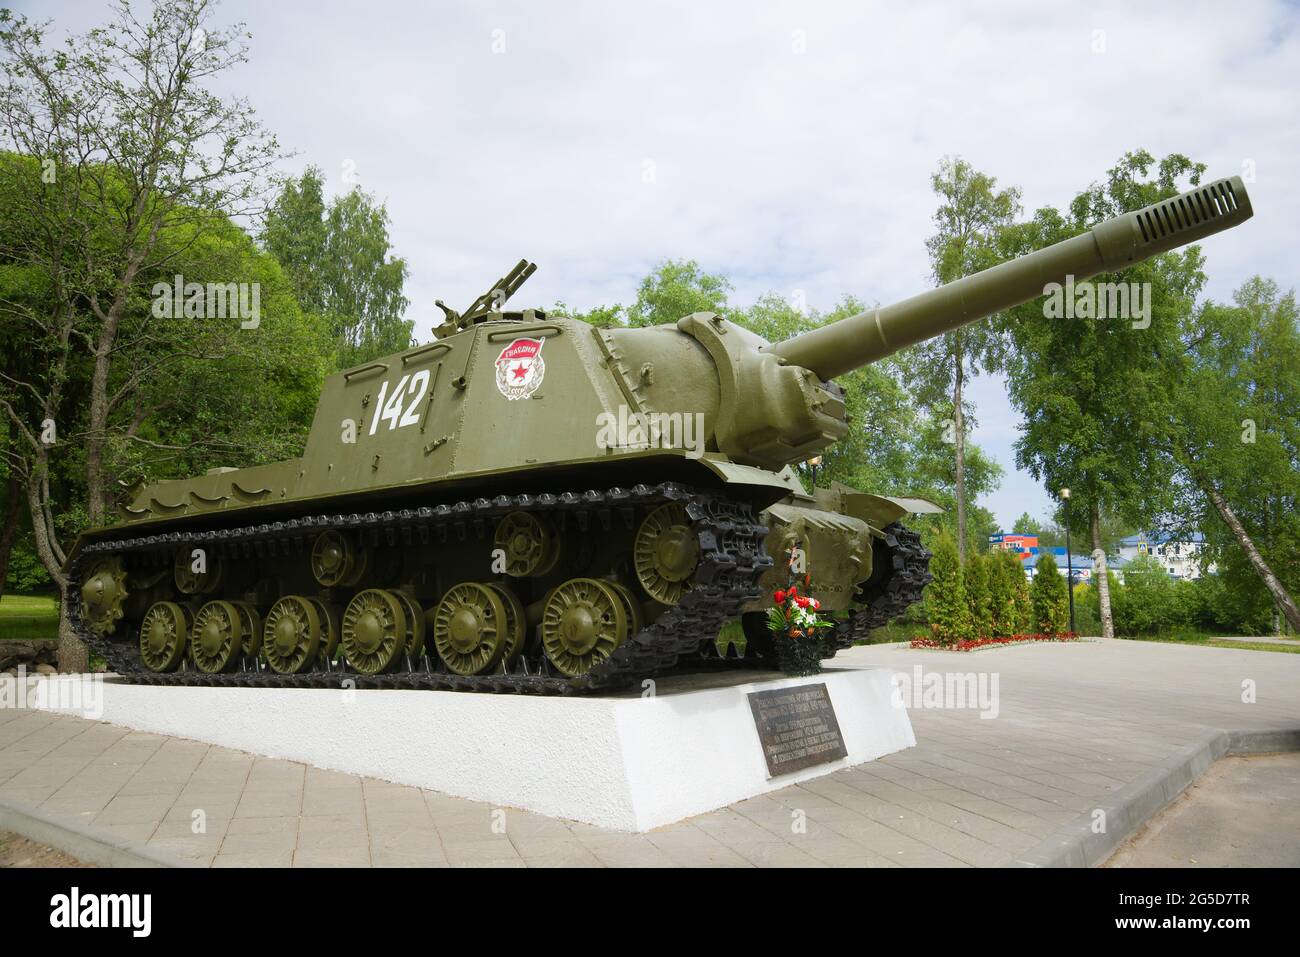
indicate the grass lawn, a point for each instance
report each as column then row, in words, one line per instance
column 28, row 616
column 1208, row 640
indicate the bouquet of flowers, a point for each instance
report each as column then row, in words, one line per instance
column 794, row 620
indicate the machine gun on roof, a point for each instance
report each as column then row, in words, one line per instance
column 491, row 301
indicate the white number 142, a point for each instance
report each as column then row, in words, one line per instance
column 391, row 411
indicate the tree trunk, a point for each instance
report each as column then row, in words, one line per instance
column 97, row 428
column 100, row 406
column 13, row 508
column 960, row 436
column 73, row 655
column 1280, row 595
column 1099, row 572
column 47, row 547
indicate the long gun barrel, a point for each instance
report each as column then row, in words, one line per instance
column 1131, row 238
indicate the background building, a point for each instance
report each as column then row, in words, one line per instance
column 1180, row 557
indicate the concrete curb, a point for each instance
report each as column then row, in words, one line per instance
column 1128, row 809
column 83, row 843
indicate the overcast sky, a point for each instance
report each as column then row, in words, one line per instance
column 785, row 145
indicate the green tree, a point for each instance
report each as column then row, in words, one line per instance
column 1050, row 598
column 677, row 288
column 227, row 396
column 1003, row 613
column 1024, row 605
column 947, row 607
column 1027, row 525
column 116, row 138
column 112, row 144
column 971, row 216
column 1089, row 599
column 602, row 317
column 979, row 570
column 1235, row 437
column 933, row 474
column 338, row 257
column 12, row 511
column 1150, row 593
column 294, row 232
column 1095, row 396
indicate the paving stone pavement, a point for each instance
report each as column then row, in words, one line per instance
column 1073, row 723
column 1241, row 813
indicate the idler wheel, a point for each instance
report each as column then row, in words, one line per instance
column 470, row 628
column 163, row 632
column 103, row 594
column 582, row 623
column 666, row 553
column 216, row 637
column 291, row 634
column 374, row 631
column 529, row 545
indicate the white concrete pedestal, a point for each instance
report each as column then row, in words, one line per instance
column 629, row 763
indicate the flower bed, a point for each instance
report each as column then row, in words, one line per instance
column 974, row 644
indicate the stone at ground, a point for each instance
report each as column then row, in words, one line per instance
column 30, row 653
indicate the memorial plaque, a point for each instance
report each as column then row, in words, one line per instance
column 797, row 728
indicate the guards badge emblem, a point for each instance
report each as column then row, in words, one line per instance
column 520, row 368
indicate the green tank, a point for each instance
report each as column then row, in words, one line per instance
column 531, row 504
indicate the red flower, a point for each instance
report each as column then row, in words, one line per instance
column 779, row 598
column 801, row 602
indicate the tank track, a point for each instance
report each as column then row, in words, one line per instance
column 885, row 602
column 732, row 560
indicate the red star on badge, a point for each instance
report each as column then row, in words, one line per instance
column 519, row 371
